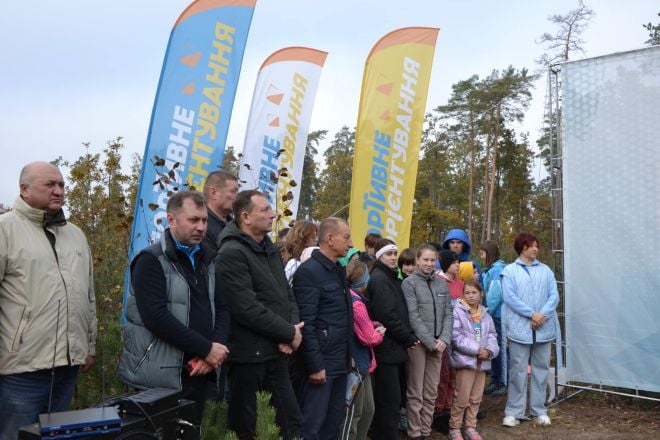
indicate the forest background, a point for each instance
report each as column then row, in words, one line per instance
column 475, row 172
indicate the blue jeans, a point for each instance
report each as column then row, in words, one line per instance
column 323, row 408
column 24, row 396
column 496, row 375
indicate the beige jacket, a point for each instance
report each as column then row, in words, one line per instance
column 37, row 287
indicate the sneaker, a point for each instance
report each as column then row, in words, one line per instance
column 455, row 434
column 471, row 434
column 542, row 420
column 500, row 390
column 510, row 421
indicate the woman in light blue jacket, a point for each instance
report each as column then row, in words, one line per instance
column 490, row 254
column 529, row 321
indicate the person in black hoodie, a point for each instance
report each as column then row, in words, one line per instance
column 388, row 306
column 264, row 317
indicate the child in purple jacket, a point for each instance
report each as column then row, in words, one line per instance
column 473, row 345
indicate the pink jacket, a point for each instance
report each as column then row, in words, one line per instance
column 364, row 328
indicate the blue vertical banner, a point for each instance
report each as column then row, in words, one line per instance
column 192, row 109
column 193, row 105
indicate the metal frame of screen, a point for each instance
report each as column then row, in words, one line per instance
column 608, row 105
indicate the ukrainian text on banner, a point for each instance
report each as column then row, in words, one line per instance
column 392, row 106
column 191, row 113
column 276, row 136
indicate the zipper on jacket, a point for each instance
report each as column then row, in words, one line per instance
column 187, row 313
column 144, row 357
column 435, row 313
column 20, row 329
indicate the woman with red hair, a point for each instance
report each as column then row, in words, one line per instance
column 529, row 321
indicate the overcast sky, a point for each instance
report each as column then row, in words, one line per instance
column 87, row 71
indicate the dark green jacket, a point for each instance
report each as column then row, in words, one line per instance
column 261, row 302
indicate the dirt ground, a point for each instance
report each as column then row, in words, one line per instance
column 586, row 416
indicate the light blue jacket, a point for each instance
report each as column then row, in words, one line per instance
column 526, row 289
column 493, row 288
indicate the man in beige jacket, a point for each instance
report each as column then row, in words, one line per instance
column 47, row 308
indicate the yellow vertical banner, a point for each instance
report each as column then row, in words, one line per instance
column 389, row 129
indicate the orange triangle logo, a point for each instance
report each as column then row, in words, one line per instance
column 274, row 94
column 191, row 60
column 385, row 115
column 385, row 89
column 276, row 99
column 189, row 89
column 274, row 122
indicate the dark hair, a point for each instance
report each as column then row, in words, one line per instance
column 491, row 250
column 355, row 270
column 175, row 202
column 524, row 240
column 406, row 256
column 243, row 203
column 474, row 283
column 380, row 243
column 217, row 179
column 371, row 239
column 298, row 236
column 437, row 246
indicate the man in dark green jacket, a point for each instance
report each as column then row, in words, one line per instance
column 264, row 317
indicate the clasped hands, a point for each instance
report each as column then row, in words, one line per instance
column 217, row 355
column 297, row 339
column 538, row 319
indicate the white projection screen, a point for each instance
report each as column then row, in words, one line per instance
column 611, row 202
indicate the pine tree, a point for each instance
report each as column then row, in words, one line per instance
column 335, row 180
column 310, row 178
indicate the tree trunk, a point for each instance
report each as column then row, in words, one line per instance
column 484, row 208
column 493, row 174
column 471, row 185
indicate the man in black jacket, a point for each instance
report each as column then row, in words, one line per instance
column 220, row 189
column 264, row 317
column 176, row 323
column 325, row 306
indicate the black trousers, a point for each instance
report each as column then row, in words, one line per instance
column 194, row 388
column 387, row 401
column 272, row 376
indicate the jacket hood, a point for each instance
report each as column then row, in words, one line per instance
column 458, row 234
column 499, row 263
column 461, row 306
column 233, row 232
column 39, row 216
column 345, row 260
